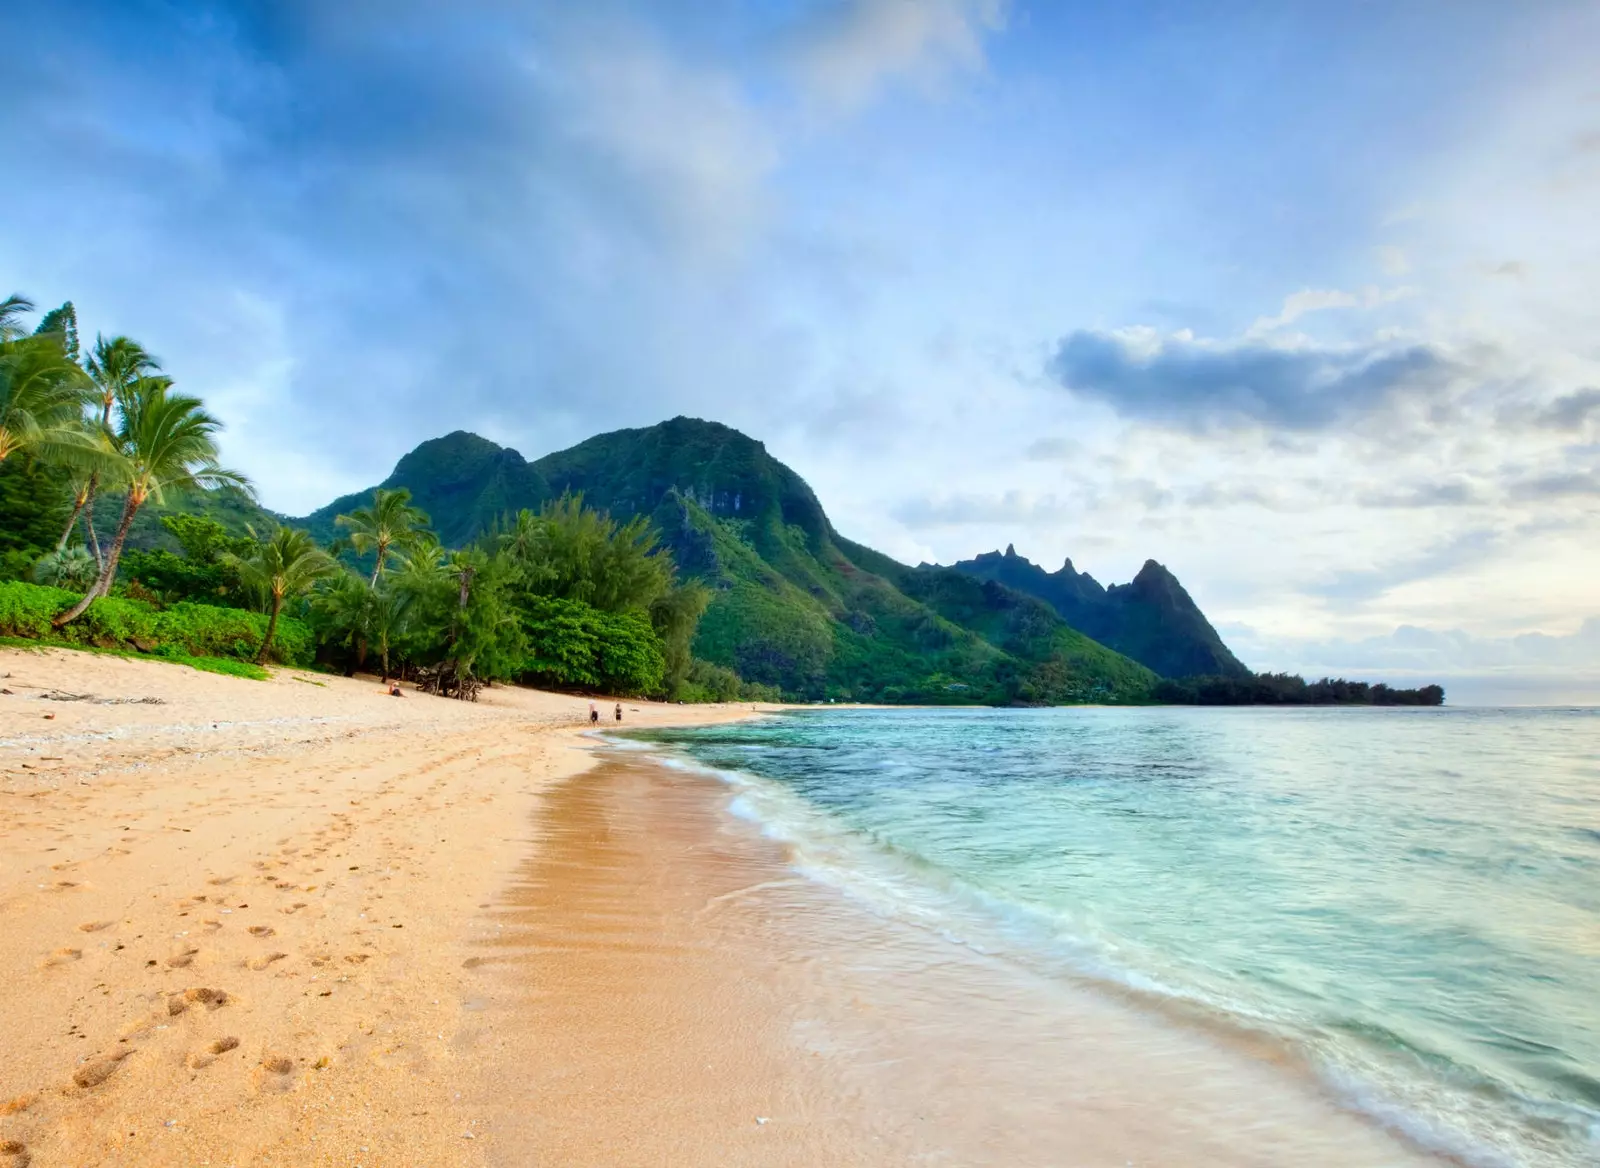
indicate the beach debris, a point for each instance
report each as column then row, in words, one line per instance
column 762, row 1120
column 61, row 695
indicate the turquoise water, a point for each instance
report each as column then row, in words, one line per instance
column 1409, row 900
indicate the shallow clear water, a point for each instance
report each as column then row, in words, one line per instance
column 1408, row 899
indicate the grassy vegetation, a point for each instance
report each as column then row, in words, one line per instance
column 230, row 666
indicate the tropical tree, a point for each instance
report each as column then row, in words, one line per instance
column 286, row 563
column 574, row 552
column 117, row 366
column 12, row 309
column 166, row 442
column 341, row 610
column 675, row 615
column 41, row 393
column 72, row 569
column 390, row 525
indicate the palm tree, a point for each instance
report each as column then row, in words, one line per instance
column 72, row 569
column 342, row 609
column 116, row 367
column 12, row 309
column 41, row 395
column 285, row 564
column 389, row 525
column 167, row 442
column 388, row 614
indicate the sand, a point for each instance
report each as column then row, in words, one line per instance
column 240, row 919
column 301, row 922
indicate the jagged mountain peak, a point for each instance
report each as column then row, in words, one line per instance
column 1151, row 619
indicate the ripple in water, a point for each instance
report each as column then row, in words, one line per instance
column 1409, row 899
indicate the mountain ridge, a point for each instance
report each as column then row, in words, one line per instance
column 794, row 603
column 1152, row 619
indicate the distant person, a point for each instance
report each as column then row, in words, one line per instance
column 619, row 711
column 594, row 714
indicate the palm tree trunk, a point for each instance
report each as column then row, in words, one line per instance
column 92, row 539
column 108, row 572
column 72, row 521
column 272, row 629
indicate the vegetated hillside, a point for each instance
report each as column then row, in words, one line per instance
column 795, row 605
column 1153, row 620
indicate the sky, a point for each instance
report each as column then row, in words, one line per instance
column 1299, row 299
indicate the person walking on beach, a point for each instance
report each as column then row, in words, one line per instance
column 619, row 711
column 594, row 714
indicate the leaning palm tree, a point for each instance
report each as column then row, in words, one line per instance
column 287, row 563
column 389, row 525
column 115, row 366
column 166, row 442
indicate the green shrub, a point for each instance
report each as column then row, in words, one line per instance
column 709, row 682
column 184, row 630
column 571, row 645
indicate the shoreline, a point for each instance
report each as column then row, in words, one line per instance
column 301, row 922
column 237, row 911
column 706, row 1002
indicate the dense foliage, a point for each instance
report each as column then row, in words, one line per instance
column 191, row 630
column 1287, row 689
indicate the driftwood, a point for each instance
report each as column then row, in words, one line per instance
column 446, row 680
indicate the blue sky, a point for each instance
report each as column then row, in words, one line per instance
column 1296, row 298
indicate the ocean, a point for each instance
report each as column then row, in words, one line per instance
column 1403, row 903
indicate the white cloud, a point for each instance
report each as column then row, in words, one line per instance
column 863, row 45
column 1307, row 300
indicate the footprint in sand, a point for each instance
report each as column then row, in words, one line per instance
column 222, row 880
column 182, row 960
column 204, row 1058
column 94, row 926
column 61, row 957
column 357, row 958
column 200, row 995
column 93, row 1073
column 275, row 1074
column 262, row 930
column 260, row 963
column 15, row 1153
column 293, row 908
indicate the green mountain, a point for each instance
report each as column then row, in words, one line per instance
column 794, row 603
column 1153, row 620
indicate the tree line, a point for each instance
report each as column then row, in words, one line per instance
column 1288, row 689
column 565, row 597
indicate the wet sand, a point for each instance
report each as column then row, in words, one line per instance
column 666, row 990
